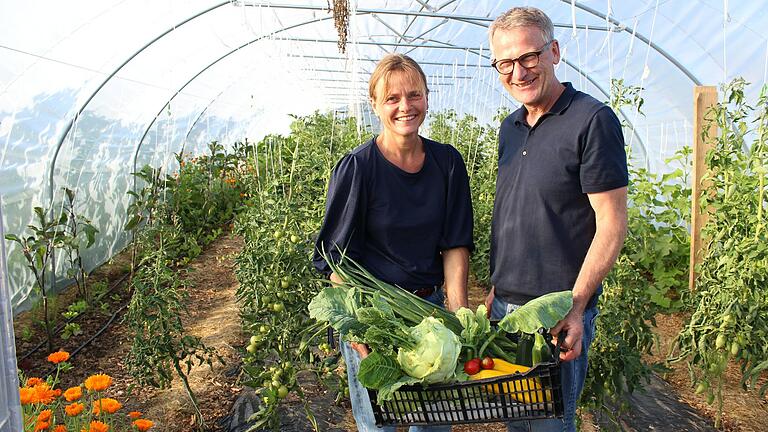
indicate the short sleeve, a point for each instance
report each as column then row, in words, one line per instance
column 458, row 222
column 343, row 228
column 604, row 159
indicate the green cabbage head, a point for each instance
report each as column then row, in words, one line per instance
column 433, row 359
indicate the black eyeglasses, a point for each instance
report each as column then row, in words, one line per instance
column 527, row 60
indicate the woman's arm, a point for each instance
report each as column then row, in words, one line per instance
column 456, row 270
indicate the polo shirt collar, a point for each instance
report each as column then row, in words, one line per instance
column 560, row 105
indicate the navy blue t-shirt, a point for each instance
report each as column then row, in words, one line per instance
column 543, row 223
column 395, row 223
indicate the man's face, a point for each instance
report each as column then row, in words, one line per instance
column 532, row 86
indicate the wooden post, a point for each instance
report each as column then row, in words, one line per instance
column 704, row 97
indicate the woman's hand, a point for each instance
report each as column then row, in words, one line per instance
column 361, row 349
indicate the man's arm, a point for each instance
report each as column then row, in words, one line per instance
column 611, row 228
column 456, row 269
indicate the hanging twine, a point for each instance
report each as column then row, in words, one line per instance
column 341, row 21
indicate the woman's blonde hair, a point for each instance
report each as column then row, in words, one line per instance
column 394, row 63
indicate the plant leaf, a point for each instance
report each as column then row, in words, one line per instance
column 544, row 311
column 337, row 306
column 378, row 370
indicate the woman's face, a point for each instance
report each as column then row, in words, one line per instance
column 401, row 104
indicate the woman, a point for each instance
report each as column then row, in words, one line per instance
column 400, row 206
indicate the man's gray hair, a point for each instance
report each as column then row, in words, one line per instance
column 524, row 17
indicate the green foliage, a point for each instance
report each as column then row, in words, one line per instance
column 648, row 276
column 75, row 227
column 160, row 344
column 729, row 308
column 284, row 181
column 75, row 309
column 38, row 249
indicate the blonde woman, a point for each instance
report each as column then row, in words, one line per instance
column 399, row 205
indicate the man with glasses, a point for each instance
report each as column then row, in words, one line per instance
column 560, row 212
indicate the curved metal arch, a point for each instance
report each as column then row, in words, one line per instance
column 640, row 36
column 80, row 110
column 359, row 12
column 180, row 89
column 479, row 21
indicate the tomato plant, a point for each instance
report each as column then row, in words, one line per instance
column 729, row 310
column 283, row 178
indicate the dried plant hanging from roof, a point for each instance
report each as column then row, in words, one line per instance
column 341, row 21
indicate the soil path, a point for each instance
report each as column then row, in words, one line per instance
column 214, row 317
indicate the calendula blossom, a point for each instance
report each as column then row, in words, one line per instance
column 44, row 415
column 31, row 382
column 98, row 382
column 60, row 428
column 26, row 395
column 134, row 414
column 97, row 426
column 41, row 426
column 73, row 393
column 107, row 405
column 143, row 424
column 58, row 357
column 74, row 409
column 44, row 394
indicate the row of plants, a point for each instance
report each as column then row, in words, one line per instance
column 46, row 407
column 286, row 182
column 728, row 321
column 171, row 218
column 57, row 232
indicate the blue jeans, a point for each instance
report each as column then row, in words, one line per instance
column 572, row 376
column 358, row 395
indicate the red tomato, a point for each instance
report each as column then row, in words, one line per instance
column 472, row 366
column 487, row 363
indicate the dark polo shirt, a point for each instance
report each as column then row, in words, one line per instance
column 543, row 223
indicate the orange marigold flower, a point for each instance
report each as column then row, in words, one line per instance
column 143, row 424
column 44, row 394
column 58, row 357
column 98, row 382
column 73, row 393
column 108, row 405
column 44, row 415
column 41, row 426
column 57, row 392
column 134, row 414
column 97, row 426
column 34, row 381
column 27, row 395
column 74, row 409
column 60, row 428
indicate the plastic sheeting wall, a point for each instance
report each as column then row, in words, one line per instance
column 10, row 408
column 222, row 70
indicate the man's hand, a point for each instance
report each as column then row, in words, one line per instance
column 361, row 349
column 489, row 300
column 573, row 326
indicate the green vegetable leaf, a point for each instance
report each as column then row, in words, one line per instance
column 338, row 307
column 386, row 391
column 477, row 327
column 544, row 311
column 378, row 370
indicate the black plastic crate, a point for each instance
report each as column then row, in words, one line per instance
column 536, row 394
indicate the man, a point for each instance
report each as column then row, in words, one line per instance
column 559, row 217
